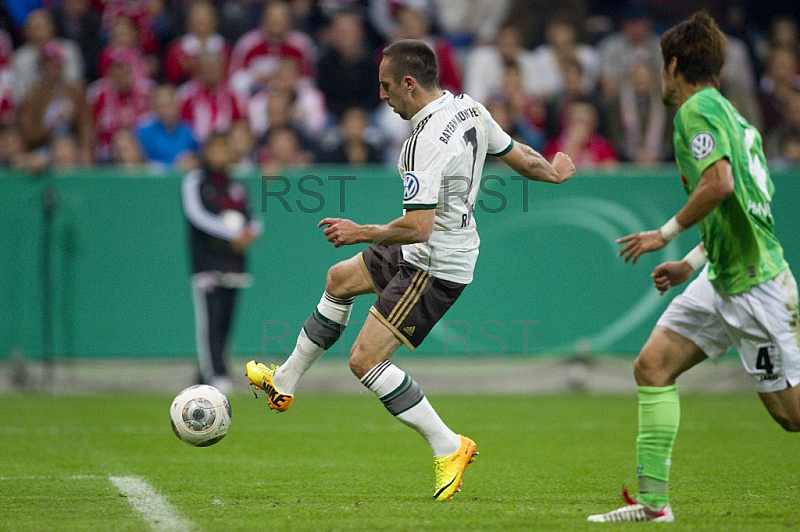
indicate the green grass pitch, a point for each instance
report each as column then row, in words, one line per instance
column 343, row 463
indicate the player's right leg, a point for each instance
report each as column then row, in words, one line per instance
column 322, row 329
column 665, row 355
column 687, row 333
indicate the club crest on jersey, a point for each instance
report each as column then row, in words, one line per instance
column 411, row 186
column 702, row 145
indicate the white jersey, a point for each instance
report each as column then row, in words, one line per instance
column 442, row 164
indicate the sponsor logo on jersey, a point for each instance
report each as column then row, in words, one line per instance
column 702, row 145
column 411, row 184
column 759, row 209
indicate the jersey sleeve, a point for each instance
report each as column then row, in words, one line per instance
column 499, row 142
column 706, row 135
column 421, row 166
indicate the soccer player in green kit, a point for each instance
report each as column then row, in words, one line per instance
column 746, row 296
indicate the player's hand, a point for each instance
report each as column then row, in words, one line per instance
column 639, row 243
column 243, row 241
column 670, row 274
column 563, row 165
column 340, row 232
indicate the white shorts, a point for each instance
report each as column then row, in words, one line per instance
column 761, row 323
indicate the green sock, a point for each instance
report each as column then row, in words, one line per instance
column 659, row 416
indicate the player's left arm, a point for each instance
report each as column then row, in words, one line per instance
column 529, row 163
column 716, row 184
column 414, row 226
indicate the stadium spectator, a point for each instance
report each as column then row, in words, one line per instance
column 384, row 15
column 574, row 88
column 637, row 120
column 124, row 37
column 39, row 30
column 236, row 17
column 306, row 102
column 504, row 113
column 780, row 79
column 788, row 156
column 12, row 146
column 531, row 18
column 348, row 70
column 201, row 37
column 580, row 140
column 790, row 122
column 142, row 13
column 561, row 47
column 783, row 33
column 352, row 142
column 526, row 112
column 255, row 57
column 738, row 81
column 64, row 152
column 7, row 106
column 207, row 102
column 118, row 100
column 6, row 49
column 467, row 22
column 634, row 42
column 483, row 72
column 75, row 20
column 242, row 144
column 283, row 150
column 54, row 107
column 165, row 139
column 415, row 23
column 217, row 248
column 126, row 152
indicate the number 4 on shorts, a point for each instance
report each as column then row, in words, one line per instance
column 763, row 361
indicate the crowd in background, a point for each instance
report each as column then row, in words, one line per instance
column 142, row 83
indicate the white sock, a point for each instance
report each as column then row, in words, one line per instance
column 404, row 399
column 303, row 356
column 307, row 351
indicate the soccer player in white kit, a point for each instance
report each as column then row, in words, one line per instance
column 417, row 264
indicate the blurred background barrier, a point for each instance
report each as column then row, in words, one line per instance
column 547, row 280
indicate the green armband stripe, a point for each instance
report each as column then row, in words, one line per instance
column 504, row 151
column 418, row 206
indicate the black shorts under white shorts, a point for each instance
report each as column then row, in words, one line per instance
column 410, row 301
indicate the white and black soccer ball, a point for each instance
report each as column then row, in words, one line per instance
column 200, row 415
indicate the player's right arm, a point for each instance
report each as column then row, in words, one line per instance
column 716, row 184
column 529, row 163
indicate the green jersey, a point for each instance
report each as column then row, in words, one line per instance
column 738, row 235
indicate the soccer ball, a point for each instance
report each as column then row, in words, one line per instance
column 200, row 415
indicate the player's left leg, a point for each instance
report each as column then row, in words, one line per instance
column 770, row 346
column 687, row 333
column 404, row 399
column 784, row 407
column 406, row 310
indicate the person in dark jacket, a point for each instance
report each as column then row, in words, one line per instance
column 221, row 229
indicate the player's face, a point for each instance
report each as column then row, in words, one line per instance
column 669, row 83
column 216, row 154
column 392, row 91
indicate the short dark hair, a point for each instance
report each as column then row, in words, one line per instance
column 699, row 45
column 410, row 57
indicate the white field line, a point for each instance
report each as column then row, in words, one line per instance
column 154, row 508
column 49, row 477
